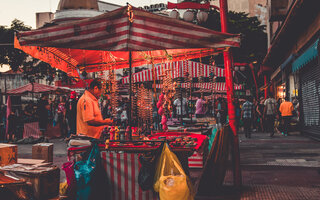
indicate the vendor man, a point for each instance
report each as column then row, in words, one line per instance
column 89, row 119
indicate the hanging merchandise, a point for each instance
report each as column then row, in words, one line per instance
column 168, row 92
column 144, row 105
column 113, row 89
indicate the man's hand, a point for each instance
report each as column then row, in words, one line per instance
column 108, row 121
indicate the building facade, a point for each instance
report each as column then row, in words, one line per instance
column 293, row 58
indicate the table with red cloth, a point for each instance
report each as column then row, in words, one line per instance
column 31, row 130
column 121, row 162
column 197, row 158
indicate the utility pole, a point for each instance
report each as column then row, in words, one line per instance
column 228, row 62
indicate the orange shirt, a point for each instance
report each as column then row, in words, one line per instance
column 88, row 109
column 286, row 108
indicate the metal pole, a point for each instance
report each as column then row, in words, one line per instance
column 130, row 95
column 266, row 88
column 227, row 56
column 255, row 80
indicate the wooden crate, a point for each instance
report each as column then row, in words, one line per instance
column 12, row 187
column 8, row 154
column 43, row 151
column 44, row 180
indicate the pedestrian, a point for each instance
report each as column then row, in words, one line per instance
column 269, row 113
column 259, row 112
column 200, row 110
column 62, row 117
column 124, row 117
column 181, row 111
column 42, row 110
column 246, row 116
column 12, row 126
column 286, row 109
column 71, row 114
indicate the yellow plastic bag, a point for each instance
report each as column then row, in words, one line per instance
column 63, row 188
column 170, row 180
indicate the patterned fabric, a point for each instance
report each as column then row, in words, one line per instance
column 123, row 170
column 247, row 109
column 271, row 105
column 31, row 129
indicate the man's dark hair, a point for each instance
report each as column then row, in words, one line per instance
column 95, row 82
column 286, row 98
column 271, row 95
column 44, row 95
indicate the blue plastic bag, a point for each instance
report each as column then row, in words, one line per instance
column 92, row 182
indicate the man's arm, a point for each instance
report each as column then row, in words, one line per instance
column 100, row 122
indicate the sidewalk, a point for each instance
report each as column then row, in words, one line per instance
column 281, row 167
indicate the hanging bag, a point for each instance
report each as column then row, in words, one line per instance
column 91, row 177
column 170, row 180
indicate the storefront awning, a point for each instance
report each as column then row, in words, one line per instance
column 287, row 61
column 310, row 54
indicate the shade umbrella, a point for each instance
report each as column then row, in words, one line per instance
column 35, row 88
column 97, row 43
column 125, row 37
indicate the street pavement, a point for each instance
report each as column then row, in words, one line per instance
column 281, row 167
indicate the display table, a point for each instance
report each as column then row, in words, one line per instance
column 31, row 130
column 121, row 163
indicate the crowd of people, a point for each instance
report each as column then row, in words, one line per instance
column 268, row 115
column 263, row 115
column 49, row 112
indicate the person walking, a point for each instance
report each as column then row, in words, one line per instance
column 246, row 116
column 62, row 117
column 42, row 111
column 259, row 112
column 286, row 109
column 200, row 111
column 71, row 114
column 269, row 113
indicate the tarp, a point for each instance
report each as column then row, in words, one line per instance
column 37, row 88
column 218, row 86
column 102, row 42
column 178, row 68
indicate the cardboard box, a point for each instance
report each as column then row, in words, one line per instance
column 43, row 151
column 8, row 154
column 44, row 180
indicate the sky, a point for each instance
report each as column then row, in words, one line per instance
column 25, row 10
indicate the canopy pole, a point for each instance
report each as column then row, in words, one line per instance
column 228, row 62
column 130, row 95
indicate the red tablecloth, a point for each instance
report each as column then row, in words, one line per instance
column 31, row 129
column 200, row 138
column 196, row 160
column 123, row 170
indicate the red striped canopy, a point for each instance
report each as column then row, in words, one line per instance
column 178, row 69
column 218, row 86
column 102, row 42
column 37, row 88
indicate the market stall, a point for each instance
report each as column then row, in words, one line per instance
column 126, row 37
column 31, row 127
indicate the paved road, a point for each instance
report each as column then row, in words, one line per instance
column 272, row 168
column 285, row 168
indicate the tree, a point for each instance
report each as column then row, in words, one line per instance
column 32, row 68
column 253, row 38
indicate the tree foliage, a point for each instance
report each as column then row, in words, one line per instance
column 253, row 38
column 31, row 68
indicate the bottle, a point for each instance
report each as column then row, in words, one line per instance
column 116, row 135
column 122, row 133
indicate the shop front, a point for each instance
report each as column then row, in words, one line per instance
column 308, row 68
